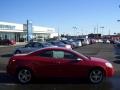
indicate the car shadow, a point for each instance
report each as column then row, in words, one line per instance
column 117, row 56
column 60, row 81
column 5, row 78
column 6, row 55
column 117, row 61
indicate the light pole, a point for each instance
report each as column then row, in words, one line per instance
column 102, row 30
column 118, row 20
column 97, row 29
column 58, row 34
column 75, row 29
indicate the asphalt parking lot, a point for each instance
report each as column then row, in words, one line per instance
column 101, row 50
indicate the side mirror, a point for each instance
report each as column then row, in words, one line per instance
column 76, row 60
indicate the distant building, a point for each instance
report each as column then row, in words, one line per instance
column 18, row 32
column 112, row 37
column 74, row 37
column 95, row 36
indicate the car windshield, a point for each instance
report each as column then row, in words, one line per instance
column 85, row 57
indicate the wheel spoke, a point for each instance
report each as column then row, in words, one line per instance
column 24, row 76
column 99, row 72
column 94, row 73
column 96, row 76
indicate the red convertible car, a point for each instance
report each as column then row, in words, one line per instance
column 58, row 62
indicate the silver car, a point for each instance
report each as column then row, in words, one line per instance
column 60, row 44
column 32, row 46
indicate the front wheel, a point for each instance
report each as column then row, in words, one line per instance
column 96, row 76
column 24, row 76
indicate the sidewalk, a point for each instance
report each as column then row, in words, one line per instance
column 17, row 44
column 20, row 43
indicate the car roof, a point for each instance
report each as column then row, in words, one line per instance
column 51, row 48
column 56, row 48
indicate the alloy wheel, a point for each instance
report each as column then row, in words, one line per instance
column 96, row 76
column 17, row 52
column 24, row 76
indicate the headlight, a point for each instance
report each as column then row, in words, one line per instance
column 109, row 65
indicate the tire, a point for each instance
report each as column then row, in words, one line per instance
column 24, row 76
column 17, row 52
column 96, row 76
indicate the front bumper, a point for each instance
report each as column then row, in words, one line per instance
column 110, row 72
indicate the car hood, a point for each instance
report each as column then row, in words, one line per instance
column 98, row 60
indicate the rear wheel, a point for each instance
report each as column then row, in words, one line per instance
column 17, row 52
column 24, row 76
column 96, row 76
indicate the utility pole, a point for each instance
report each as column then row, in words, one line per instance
column 75, row 29
column 97, row 28
column 58, row 34
column 109, row 31
column 102, row 30
column 97, row 31
column 94, row 30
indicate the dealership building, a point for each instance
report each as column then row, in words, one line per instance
column 19, row 32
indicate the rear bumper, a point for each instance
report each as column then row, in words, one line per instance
column 11, row 70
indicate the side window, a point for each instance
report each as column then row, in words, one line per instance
column 29, row 45
column 68, row 55
column 46, row 54
column 38, row 45
column 58, row 54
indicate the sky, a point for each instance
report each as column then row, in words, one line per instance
column 66, row 16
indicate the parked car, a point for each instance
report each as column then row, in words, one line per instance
column 78, row 43
column 100, row 41
column 106, row 41
column 112, row 41
column 84, row 41
column 32, row 46
column 92, row 41
column 116, row 41
column 117, row 48
column 60, row 44
column 59, row 63
column 7, row 42
column 71, row 43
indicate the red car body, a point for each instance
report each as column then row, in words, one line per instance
column 42, row 66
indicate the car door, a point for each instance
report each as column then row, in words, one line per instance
column 37, row 46
column 69, row 66
column 46, row 65
column 28, row 48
